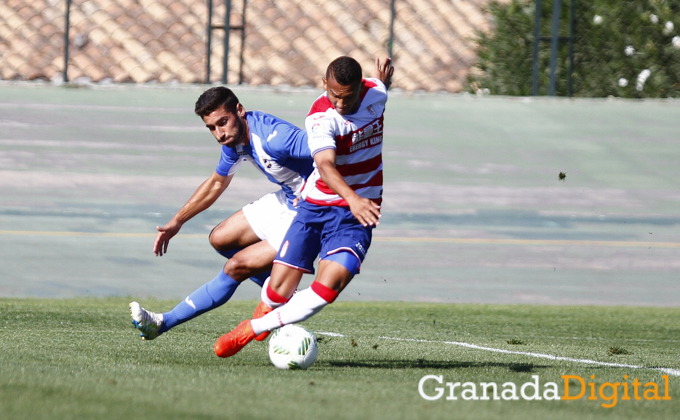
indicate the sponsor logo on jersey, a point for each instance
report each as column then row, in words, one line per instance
column 366, row 143
column 367, row 136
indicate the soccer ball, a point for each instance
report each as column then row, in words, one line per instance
column 292, row 347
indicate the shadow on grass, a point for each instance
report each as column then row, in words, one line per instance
column 432, row 364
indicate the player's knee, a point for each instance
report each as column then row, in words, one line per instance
column 214, row 239
column 220, row 238
column 238, row 268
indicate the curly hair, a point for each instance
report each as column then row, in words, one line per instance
column 345, row 70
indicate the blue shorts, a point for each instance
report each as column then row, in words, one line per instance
column 323, row 231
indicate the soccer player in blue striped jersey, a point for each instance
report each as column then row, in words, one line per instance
column 251, row 237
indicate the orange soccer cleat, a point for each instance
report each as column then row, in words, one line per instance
column 232, row 342
column 262, row 310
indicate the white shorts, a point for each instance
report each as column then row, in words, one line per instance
column 270, row 217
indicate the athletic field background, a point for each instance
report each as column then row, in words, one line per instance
column 474, row 210
column 489, row 268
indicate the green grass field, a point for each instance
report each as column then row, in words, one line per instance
column 81, row 359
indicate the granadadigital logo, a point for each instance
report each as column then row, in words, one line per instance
column 575, row 387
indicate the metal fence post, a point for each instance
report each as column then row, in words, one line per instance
column 66, row 37
column 537, row 40
column 570, row 87
column 208, row 43
column 227, row 29
column 243, row 42
column 557, row 6
column 390, row 42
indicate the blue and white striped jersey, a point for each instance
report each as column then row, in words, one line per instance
column 277, row 148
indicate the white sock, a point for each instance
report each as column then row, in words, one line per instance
column 301, row 306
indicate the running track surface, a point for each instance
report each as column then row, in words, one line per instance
column 474, row 210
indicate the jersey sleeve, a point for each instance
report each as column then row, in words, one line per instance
column 320, row 132
column 229, row 162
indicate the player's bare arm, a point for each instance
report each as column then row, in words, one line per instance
column 366, row 211
column 204, row 196
column 384, row 71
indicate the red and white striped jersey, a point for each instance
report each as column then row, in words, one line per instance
column 357, row 140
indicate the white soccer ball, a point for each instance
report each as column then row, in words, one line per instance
column 292, row 347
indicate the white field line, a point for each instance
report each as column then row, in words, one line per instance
column 330, row 334
column 669, row 371
column 674, row 372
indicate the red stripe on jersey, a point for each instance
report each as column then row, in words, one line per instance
column 360, row 167
column 322, row 104
column 347, row 144
column 339, row 203
column 376, row 181
column 321, row 186
column 367, row 85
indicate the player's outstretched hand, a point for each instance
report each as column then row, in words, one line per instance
column 384, row 71
column 365, row 211
column 165, row 233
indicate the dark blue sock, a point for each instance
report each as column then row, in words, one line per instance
column 259, row 279
column 229, row 253
column 211, row 295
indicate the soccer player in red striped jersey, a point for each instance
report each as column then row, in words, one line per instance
column 340, row 207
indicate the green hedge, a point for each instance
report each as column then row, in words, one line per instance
column 622, row 48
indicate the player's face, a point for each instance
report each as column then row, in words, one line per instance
column 228, row 128
column 345, row 98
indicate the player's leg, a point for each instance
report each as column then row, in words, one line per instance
column 233, row 234
column 254, row 259
column 245, row 231
column 343, row 248
column 332, row 278
column 296, row 256
column 232, row 342
column 266, row 220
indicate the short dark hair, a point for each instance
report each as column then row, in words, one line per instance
column 214, row 98
column 345, row 70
